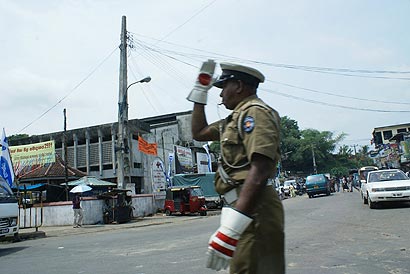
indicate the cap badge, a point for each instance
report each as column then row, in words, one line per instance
column 248, row 124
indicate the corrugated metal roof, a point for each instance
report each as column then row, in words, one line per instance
column 52, row 170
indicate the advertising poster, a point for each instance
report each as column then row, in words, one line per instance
column 158, row 178
column 183, row 160
column 202, row 162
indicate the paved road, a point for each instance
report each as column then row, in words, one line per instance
column 335, row 234
column 177, row 246
column 339, row 234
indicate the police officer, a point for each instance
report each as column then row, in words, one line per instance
column 250, row 238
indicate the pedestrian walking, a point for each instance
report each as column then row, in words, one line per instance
column 250, row 238
column 78, row 211
column 344, row 183
column 292, row 191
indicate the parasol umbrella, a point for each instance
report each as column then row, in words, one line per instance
column 80, row 189
column 90, row 181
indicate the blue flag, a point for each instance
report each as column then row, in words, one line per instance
column 6, row 168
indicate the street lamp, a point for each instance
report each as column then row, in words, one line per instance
column 145, row 80
column 124, row 163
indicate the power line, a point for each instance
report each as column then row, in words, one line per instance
column 163, row 65
column 142, row 87
column 338, row 95
column 71, row 91
column 289, row 85
column 326, row 70
column 307, row 68
column 189, row 19
column 331, row 104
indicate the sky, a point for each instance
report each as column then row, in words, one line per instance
column 339, row 66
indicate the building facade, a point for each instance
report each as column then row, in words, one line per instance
column 94, row 149
column 382, row 135
column 392, row 146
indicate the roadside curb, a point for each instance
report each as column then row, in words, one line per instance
column 58, row 231
column 32, row 235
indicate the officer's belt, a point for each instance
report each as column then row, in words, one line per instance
column 232, row 195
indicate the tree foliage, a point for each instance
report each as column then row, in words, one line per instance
column 300, row 147
column 16, row 137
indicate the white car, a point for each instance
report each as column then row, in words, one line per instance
column 385, row 186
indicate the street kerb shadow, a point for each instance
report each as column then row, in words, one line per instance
column 9, row 250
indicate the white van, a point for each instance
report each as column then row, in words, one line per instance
column 9, row 211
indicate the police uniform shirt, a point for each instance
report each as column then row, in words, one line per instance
column 252, row 127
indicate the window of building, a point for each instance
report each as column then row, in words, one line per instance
column 387, row 134
column 400, row 130
column 94, row 168
column 139, row 189
column 107, row 167
column 378, row 138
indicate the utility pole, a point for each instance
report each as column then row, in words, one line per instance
column 123, row 150
column 354, row 147
column 355, row 156
column 314, row 161
column 65, row 154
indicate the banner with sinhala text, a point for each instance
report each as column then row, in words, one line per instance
column 33, row 154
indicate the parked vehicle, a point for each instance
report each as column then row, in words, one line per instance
column 205, row 181
column 185, row 200
column 388, row 185
column 317, row 184
column 8, row 211
column 363, row 171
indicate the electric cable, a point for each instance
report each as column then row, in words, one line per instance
column 338, row 95
column 143, row 89
column 327, row 70
column 331, row 104
column 302, row 88
column 71, row 91
column 189, row 19
column 152, row 58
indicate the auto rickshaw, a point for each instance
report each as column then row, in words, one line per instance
column 185, row 200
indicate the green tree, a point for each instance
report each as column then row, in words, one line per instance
column 298, row 146
column 215, row 148
column 339, row 171
column 289, row 145
column 362, row 157
column 319, row 144
column 16, row 137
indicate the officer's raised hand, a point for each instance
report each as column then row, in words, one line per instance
column 199, row 93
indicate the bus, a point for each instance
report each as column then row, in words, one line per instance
column 9, row 211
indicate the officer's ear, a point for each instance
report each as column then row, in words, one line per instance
column 240, row 86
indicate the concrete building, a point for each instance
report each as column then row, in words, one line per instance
column 93, row 149
column 382, row 135
column 392, row 146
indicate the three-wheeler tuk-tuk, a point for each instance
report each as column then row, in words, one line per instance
column 185, row 200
